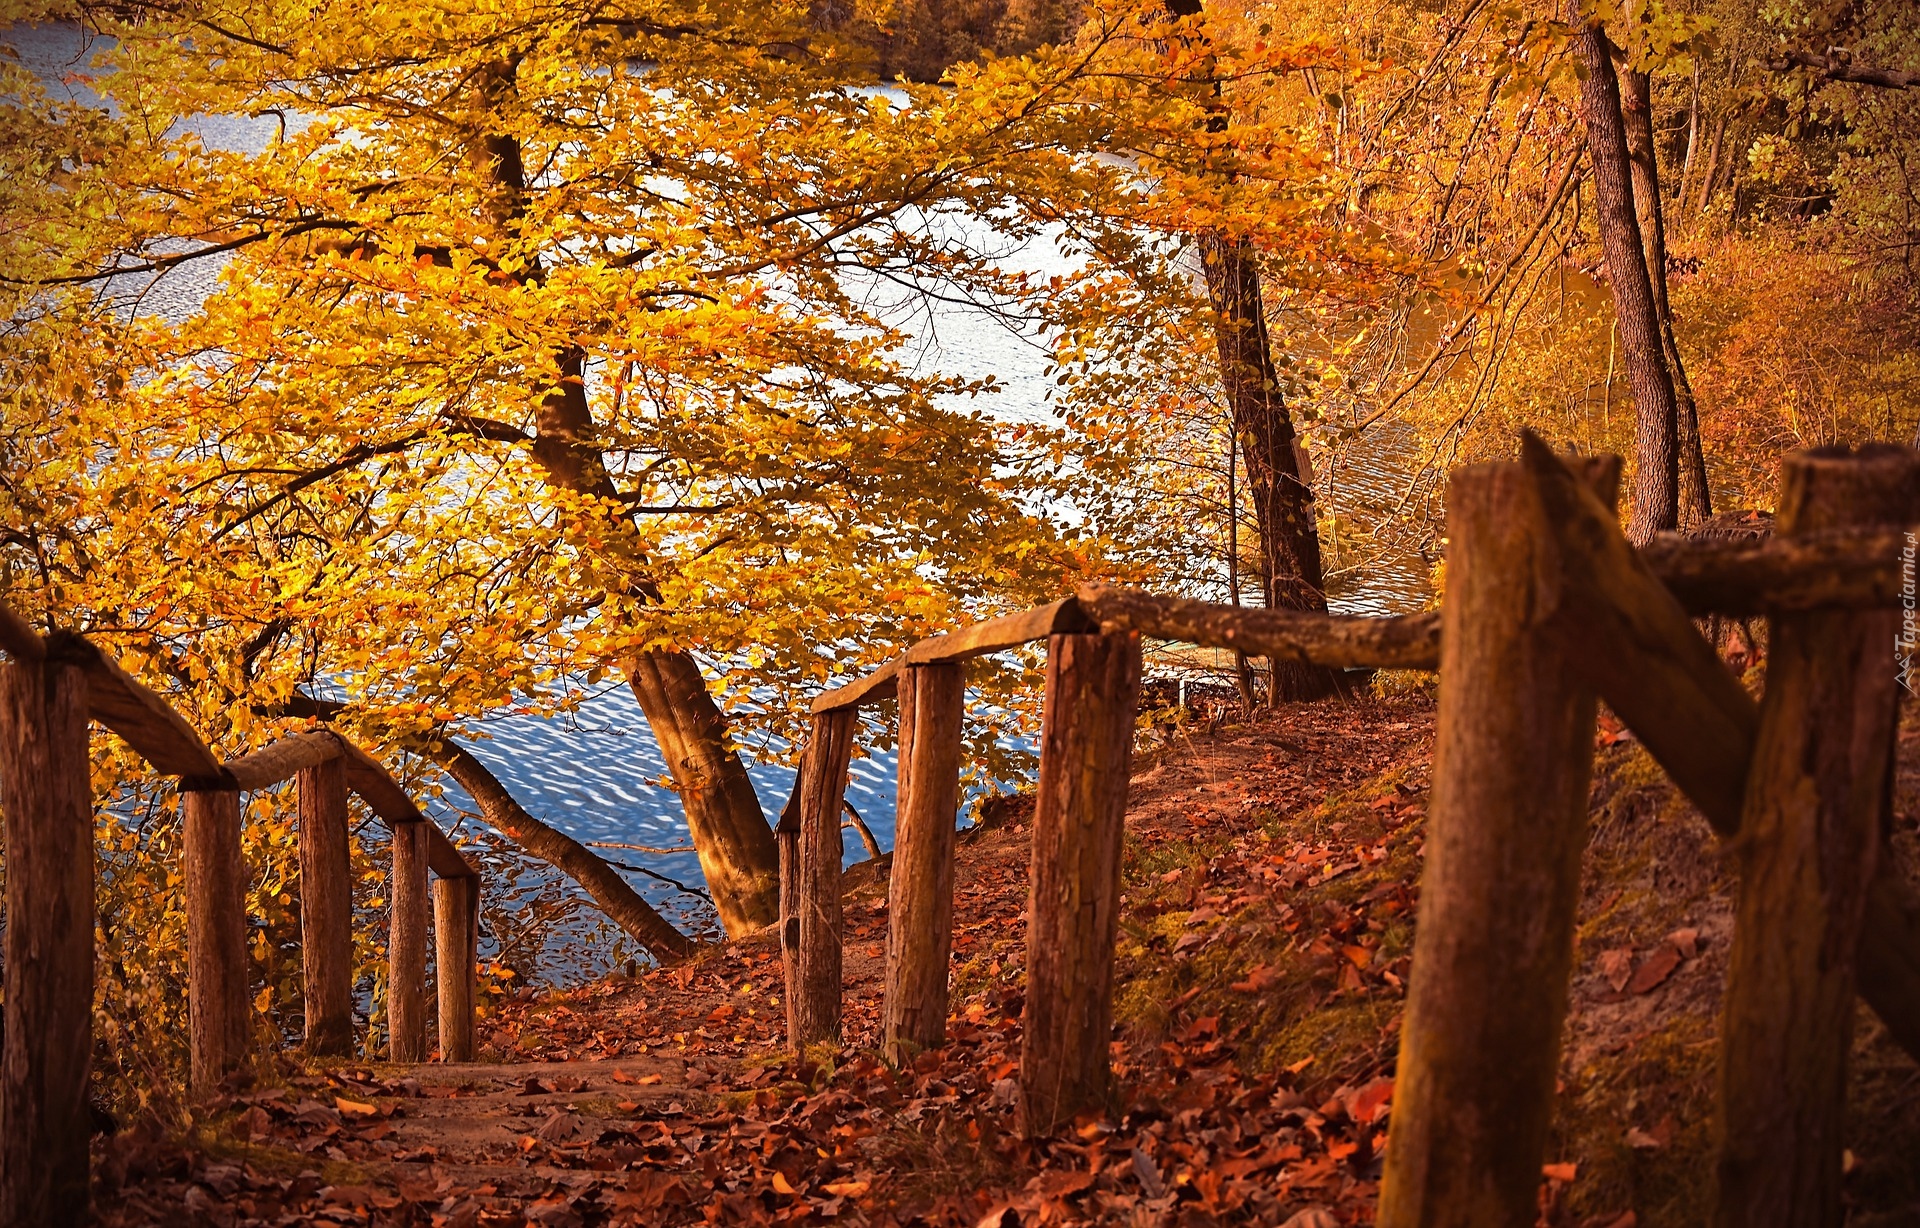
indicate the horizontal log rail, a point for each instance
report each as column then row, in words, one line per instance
column 1846, row 568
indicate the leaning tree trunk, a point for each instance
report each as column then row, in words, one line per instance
column 1282, row 501
column 1636, row 104
column 1656, row 413
column 611, row 892
column 737, row 849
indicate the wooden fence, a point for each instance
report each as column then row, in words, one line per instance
column 49, row 690
column 1547, row 608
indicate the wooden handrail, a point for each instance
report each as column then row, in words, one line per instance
column 1856, row 568
column 282, row 760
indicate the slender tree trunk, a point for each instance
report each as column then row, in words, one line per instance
column 1636, row 104
column 1242, row 672
column 1282, row 502
column 737, row 849
column 1692, row 160
column 1656, row 445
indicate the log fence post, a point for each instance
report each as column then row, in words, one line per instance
column 1812, row 827
column 920, row 889
column 218, row 1007
column 787, row 837
column 407, row 945
column 46, row 792
column 813, row 988
column 326, row 909
column 1086, row 751
column 1493, row 949
column 456, row 923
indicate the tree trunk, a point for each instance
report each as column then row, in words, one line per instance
column 736, row 845
column 1656, row 445
column 933, row 702
column 598, row 879
column 326, row 909
column 729, row 829
column 218, row 1008
column 1282, row 502
column 1818, row 801
column 1079, row 825
column 1493, row 949
column 47, row 806
column 1695, row 497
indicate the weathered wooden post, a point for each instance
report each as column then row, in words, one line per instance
column 326, row 908
column 218, row 1009
column 407, row 945
column 787, row 837
column 1493, row 951
column 456, row 925
column 813, row 987
column 48, row 805
column 1086, row 755
column 933, row 702
column 1817, row 801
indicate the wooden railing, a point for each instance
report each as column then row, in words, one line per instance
column 49, row 690
column 1547, row 607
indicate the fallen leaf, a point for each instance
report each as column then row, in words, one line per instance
column 1260, row 979
column 1617, row 966
column 781, row 1185
column 1563, row 1173
column 847, row 1189
column 1640, row 1140
column 1147, row 1173
column 355, row 1108
column 647, row 1080
column 1686, row 941
column 1312, row 1217
column 1370, row 1103
column 1655, row 969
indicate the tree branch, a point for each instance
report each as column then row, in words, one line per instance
column 1840, row 67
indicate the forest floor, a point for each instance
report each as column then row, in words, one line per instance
column 1270, row 877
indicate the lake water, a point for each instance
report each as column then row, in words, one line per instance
column 591, row 772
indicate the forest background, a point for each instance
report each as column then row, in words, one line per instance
column 558, row 342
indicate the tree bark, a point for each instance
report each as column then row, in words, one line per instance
column 1493, row 949
column 1282, row 502
column 1656, row 443
column 407, row 945
column 1079, row 823
column 1818, row 802
column 218, row 1010
column 920, row 890
column 814, row 996
column 48, row 811
column 598, row 879
column 456, row 926
column 1695, row 496
column 326, row 909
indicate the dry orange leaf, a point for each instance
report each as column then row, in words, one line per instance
column 781, row 1185
column 1563, row 1173
column 847, row 1189
column 356, row 1108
